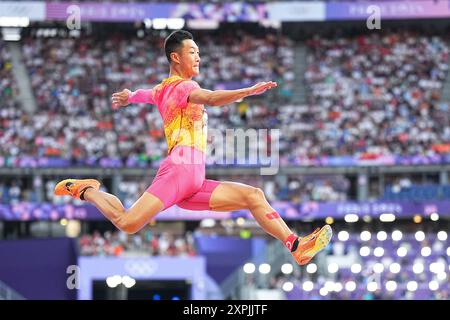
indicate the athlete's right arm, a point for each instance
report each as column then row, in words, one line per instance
column 125, row 97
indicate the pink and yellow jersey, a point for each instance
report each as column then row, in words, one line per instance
column 185, row 124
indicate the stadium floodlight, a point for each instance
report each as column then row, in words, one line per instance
column 333, row 267
column 11, row 34
column 175, row 23
column 343, row 236
column 372, row 286
column 270, row 23
column 442, row 235
column 364, row 251
column 159, row 23
column 14, row 22
column 402, row 251
column 412, row 286
column 287, row 268
column 148, row 23
column 113, row 281
column 397, row 235
column 418, row 268
column 249, row 268
column 394, row 268
column 337, row 287
column 387, row 217
column 356, row 268
column 378, row 267
column 420, row 236
column 264, row 268
column 350, row 286
column 382, row 235
column 391, row 285
column 417, row 219
column 365, row 235
column 441, row 276
column 207, row 223
column 433, row 285
column 311, row 268
column 437, row 267
column 351, row 217
column 329, row 220
column 323, row 292
column 288, row 286
column 308, row 285
column 128, row 281
column 329, row 285
column 378, row 252
column 434, row 217
column 425, row 252
column 203, row 24
column 74, row 33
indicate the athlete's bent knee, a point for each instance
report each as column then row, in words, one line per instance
column 127, row 226
column 254, row 197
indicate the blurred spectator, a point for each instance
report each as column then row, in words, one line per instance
column 145, row 242
column 378, row 94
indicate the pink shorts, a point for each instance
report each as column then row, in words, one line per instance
column 181, row 180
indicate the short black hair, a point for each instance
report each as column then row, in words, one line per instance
column 175, row 40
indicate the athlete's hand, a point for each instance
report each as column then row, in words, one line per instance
column 261, row 87
column 120, row 99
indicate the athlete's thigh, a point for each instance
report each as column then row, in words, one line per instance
column 145, row 208
column 200, row 200
column 228, row 196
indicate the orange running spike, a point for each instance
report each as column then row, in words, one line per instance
column 74, row 187
column 310, row 245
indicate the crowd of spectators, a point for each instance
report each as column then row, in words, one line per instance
column 11, row 114
column 144, row 243
column 376, row 94
column 296, row 189
column 368, row 96
column 73, row 78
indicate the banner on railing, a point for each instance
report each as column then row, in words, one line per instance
column 91, row 11
column 305, row 211
column 229, row 12
column 414, row 9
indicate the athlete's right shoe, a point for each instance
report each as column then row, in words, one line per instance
column 74, row 187
column 313, row 243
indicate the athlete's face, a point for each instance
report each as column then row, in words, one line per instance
column 190, row 58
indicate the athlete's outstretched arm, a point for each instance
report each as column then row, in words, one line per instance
column 125, row 97
column 223, row 97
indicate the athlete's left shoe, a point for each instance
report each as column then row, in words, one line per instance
column 313, row 243
column 75, row 187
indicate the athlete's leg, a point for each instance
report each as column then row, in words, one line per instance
column 229, row 196
column 131, row 220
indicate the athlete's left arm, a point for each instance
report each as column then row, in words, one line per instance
column 224, row 97
column 125, row 97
